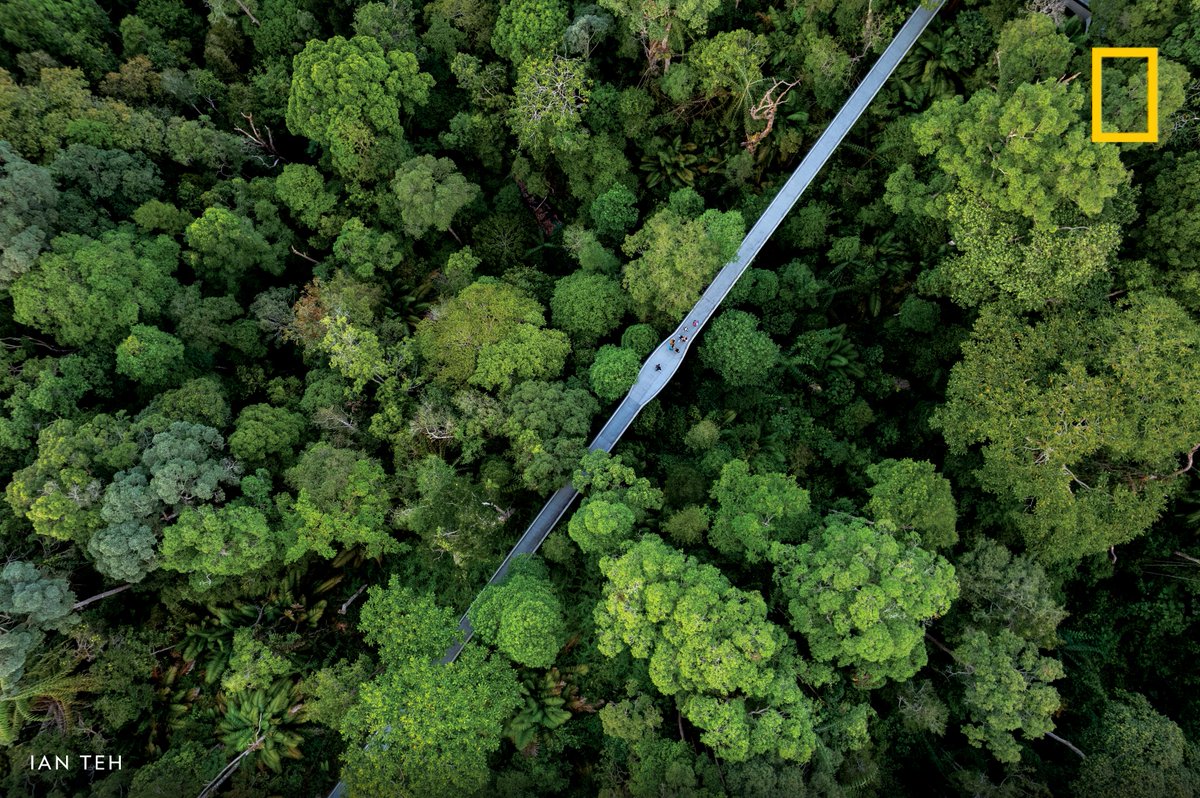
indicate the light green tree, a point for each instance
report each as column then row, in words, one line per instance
column 1007, row 690
column 602, row 476
column 1032, row 50
column 528, row 353
column 60, row 492
column 491, row 335
column 613, row 372
column 710, row 645
column 1025, row 192
column 432, row 727
column 675, row 257
column 253, row 664
column 861, row 598
column 342, row 497
column 728, row 66
column 210, row 545
column 348, row 94
column 87, row 291
column 522, row 616
column 601, row 526
column 363, row 249
column 587, row 306
column 526, row 28
column 150, row 356
column 1083, row 419
column 737, row 350
column 224, row 246
column 303, row 190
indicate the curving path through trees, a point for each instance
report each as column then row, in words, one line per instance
column 651, row 379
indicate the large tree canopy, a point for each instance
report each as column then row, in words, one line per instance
column 1082, row 423
column 861, row 598
column 491, row 335
column 91, row 291
column 348, row 94
column 674, row 258
column 708, row 643
column 1026, row 194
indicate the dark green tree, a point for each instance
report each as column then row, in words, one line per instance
column 753, row 510
column 224, row 246
column 264, row 434
column 587, row 306
column 737, row 350
column 430, row 191
column 29, row 218
column 911, row 496
column 1133, row 750
column 548, row 425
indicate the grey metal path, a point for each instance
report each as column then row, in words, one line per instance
column 663, row 362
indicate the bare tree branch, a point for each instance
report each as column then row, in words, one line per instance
column 81, row 604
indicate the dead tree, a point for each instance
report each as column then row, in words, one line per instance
column 766, row 109
column 265, row 143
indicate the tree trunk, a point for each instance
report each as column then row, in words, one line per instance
column 1070, row 745
column 81, row 604
column 253, row 18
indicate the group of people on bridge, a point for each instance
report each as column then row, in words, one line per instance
column 677, row 343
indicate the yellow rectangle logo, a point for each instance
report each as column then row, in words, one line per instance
column 1151, row 56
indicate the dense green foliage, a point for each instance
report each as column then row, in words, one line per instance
column 307, row 307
